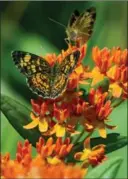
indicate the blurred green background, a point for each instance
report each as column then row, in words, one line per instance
column 25, row 26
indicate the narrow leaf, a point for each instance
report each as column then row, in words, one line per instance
column 108, row 169
column 113, row 142
column 18, row 116
column 104, row 84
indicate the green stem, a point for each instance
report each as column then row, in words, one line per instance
column 81, row 134
column 117, row 103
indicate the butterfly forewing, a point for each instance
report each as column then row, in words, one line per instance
column 65, row 69
column 69, row 63
column 73, row 18
column 86, row 21
column 29, row 63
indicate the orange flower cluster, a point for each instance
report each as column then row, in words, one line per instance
column 112, row 64
column 52, row 116
column 61, row 116
column 54, row 152
column 24, row 166
column 97, row 111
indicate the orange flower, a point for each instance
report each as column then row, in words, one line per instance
column 42, row 170
column 53, row 58
column 39, row 107
column 89, row 156
column 61, row 112
column 54, row 152
column 38, row 167
column 41, row 115
column 23, row 154
column 111, row 64
column 119, row 77
column 79, row 76
column 120, row 56
column 53, row 116
column 97, row 111
column 3, row 162
column 78, row 105
column 103, row 60
column 38, row 121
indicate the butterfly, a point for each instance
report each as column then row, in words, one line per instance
column 80, row 26
column 44, row 80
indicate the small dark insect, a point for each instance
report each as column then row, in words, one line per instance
column 80, row 26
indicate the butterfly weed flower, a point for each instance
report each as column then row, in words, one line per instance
column 97, row 110
column 23, row 154
column 89, row 156
column 113, row 65
column 103, row 61
column 38, row 166
column 54, row 152
column 118, row 73
column 38, row 116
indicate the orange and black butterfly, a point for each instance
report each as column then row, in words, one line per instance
column 44, row 80
column 80, row 26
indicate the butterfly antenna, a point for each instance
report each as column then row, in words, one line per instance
column 57, row 22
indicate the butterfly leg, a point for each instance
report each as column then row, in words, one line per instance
column 67, row 41
column 78, row 41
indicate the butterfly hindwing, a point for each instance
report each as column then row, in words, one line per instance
column 69, row 63
column 59, row 86
column 29, row 63
column 40, row 84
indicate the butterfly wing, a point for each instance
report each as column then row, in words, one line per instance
column 28, row 63
column 59, row 85
column 61, row 76
column 73, row 18
column 80, row 27
column 40, row 84
column 36, row 69
column 85, row 22
column 69, row 63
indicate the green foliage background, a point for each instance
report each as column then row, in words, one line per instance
column 25, row 26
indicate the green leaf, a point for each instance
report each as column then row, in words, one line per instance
column 104, row 84
column 108, row 169
column 113, row 142
column 116, row 102
column 18, row 116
